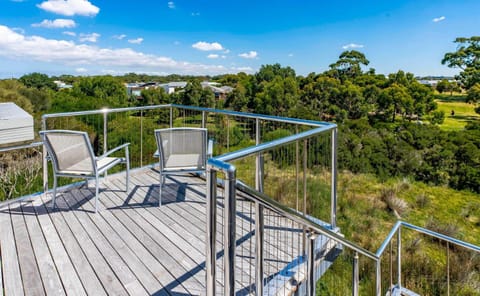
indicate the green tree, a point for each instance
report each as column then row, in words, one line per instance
column 349, row 64
column 466, row 58
column 107, row 90
column 191, row 93
column 153, row 96
column 38, row 81
column 473, row 94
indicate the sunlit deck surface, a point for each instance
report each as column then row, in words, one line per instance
column 130, row 247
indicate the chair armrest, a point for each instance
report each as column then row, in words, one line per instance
column 113, row 150
column 210, row 148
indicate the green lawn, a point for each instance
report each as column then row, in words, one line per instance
column 464, row 112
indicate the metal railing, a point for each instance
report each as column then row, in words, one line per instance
column 300, row 152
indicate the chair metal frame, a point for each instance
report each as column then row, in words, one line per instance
column 193, row 168
column 96, row 170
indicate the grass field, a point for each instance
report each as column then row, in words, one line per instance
column 464, row 112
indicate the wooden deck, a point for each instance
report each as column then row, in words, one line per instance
column 131, row 246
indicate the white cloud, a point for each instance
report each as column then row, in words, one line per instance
column 62, row 52
column 93, row 37
column 290, row 55
column 195, row 13
column 19, row 30
column 352, row 45
column 135, row 41
column 249, row 55
column 81, row 70
column 227, row 51
column 70, row 7
column 213, row 56
column 438, row 19
column 119, row 37
column 171, row 5
column 242, row 69
column 205, row 46
column 57, row 23
column 69, row 33
column 176, row 43
column 223, row 56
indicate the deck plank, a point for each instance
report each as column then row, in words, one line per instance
column 179, row 264
column 48, row 271
column 10, row 265
column 119, row 267
column 103, row 220
column 132, row 246
column 66, row 270
column 92, row 270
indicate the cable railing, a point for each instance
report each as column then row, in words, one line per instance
column 272, row 222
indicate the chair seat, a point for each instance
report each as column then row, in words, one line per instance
column 183, row 161
column 81, row 168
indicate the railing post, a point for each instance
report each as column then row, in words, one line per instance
column 204, row 119
column 399, row 257
column 171, row 116
column 311, row 279
column 229, row 233
column 448, row 269
column 356, row 277
column 378, row 280
column 259, row 161
column 259, row 236
column 44, row 161
column 305, row 154
column 333, row 212
column 211, row 253
column 105, row 140
column 141, row 138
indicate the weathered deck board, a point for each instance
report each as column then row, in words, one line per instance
column 26, row 257
column 11, row 269
column 131, row 246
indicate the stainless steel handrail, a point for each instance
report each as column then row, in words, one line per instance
column 210, row 110
column 273, row 144
column 289, row 213
column 18, row 147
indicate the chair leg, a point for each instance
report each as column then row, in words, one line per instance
column 127, row 177
column 162, row 182
column 96, row 193
column 127, row 159
column 54, row 191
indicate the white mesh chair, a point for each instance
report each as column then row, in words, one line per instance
column 181, row 150
column 72, row 156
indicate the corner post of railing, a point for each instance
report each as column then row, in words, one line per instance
column 356, row 278
column 311, row 279
column 171, row 117
column 399, row 257
column 44, row 160
column 229, row 231
column 333, row 213
column 259, row 216
column 378, row 281
column 211, row 253
column 259, row 239
column 448, row 269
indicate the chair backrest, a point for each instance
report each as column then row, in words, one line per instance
column 71, row 151
column 182, row 148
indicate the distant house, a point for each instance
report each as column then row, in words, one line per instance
column 171, row 87
column 135, row 89
column 62, row 85
column 220, row 92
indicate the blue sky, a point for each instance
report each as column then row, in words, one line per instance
column 93, row 37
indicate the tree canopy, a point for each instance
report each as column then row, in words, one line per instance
column 466, row 58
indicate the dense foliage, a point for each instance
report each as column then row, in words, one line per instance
column 387, row 123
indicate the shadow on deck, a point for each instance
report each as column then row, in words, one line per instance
column 131, row 246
